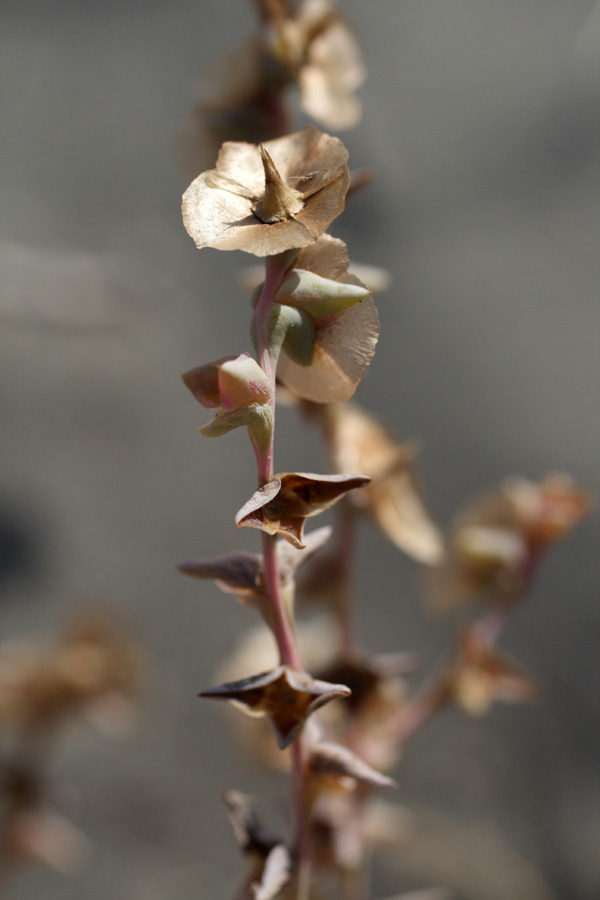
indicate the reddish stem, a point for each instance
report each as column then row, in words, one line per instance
column 284, row 632
column 276, row 267
column 275, row 270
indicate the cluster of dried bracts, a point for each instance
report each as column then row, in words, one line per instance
column 338, row 718
column 92, row 673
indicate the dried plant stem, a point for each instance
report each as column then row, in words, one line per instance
column 276, row 267
column 420, row 709
column 301, row 844
column 346, row 553
column 284, row 632
column 275, row 270
column 490, row 626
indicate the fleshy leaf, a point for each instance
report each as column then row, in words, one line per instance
column 257, row 417
column 319, row 297
column 242, row 381
column 203, row 382
column 290, row 327
column 344, row 342
column 229, row 382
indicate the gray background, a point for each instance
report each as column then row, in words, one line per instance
column 482, row 121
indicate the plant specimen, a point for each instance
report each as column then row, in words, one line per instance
column 345, row 717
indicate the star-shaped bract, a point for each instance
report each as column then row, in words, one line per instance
column 285, row 695
column 265, row 199
column 284, row 503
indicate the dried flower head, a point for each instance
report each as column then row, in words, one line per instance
column 497, row 541
column 547, row 511
column 317, row 641
column 344, row 337
column 286, row 696
column 480, row 675
column 325, row 56
column 283, row 504
column 93, row 666
column 243, row 96
column 393, row 498
column 266, row 199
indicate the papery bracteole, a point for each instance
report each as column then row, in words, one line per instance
column 249, row 831
column 285, row 695
column 271, row 198
column 496, row 542
column 393, row 498
column 242, row 574
column 244, row 96
column 337, row 767
column 326, row 57
column 283, row 504
column 345, row 338
column 276, row 873
column 481, row 674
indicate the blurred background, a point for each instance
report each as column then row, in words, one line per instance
column 482, row 122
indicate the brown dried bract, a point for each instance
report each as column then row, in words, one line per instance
column 249, row 832
column 93, row 665
column 283, row 504
column 268, row 199
column 496, row 543
column 326, row 58
column 344, row 344
column 338, row 768
column 242, row 573
column 481, row 675
column 243, row 97
column 286, row 696
column 272, row 863
column 360, row 442
column 276, row 873
column 379, row 689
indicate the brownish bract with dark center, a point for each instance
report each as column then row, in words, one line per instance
column 225, row 207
